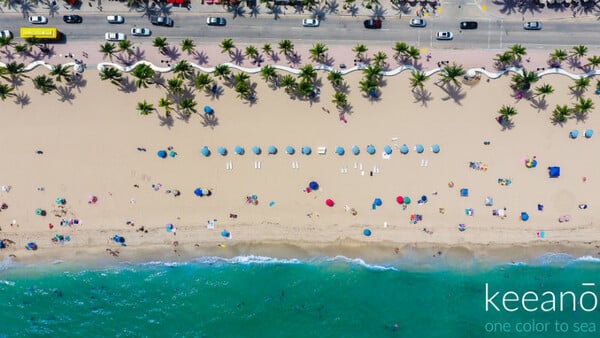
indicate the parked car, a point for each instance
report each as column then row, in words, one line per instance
column 136, row 31
column 114, row 36
column 115, row 19
column 532, row 26
column 6, row 34
column 38, row 19
column 216, row 21
column 444, row 35
column 311, row 22
column 468, row 25
column 161, row 21
column 417, row 22
column 373, row 23
column 72, row 19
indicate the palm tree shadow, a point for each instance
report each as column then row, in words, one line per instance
column 215, row 92
column 294, row 59
column 333, row 7
column 275, row 11
column 539, row 104
column 22, row 99
column 508, row 125
column 172, row 52
column 344, row 87
column 166, row 120
column 158, row 80
column 128, row 85
column 328, row 61
column 9, row 55
column 125, row 58
column 138, row 54
column 65, row 94
column 379, row 12
column 274, row 57
column 26, row 8
column 508, row 6
column 210, row 120
column 352, row 9
column 577, row 93
column 16, row 81
column 423, row 96
column 579, row 117
column 201, row 57
column 77, row 81
column 237, row 10
column 402, row 9
column 52, row 8
column 454, row 92
column 319, row 13
column 255, row 11
column 181, row 116
column 165, row 9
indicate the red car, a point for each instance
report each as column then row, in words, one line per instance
column 373, row 24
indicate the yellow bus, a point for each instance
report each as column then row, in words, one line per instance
column 42, row 33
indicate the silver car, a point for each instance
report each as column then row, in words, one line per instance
column 6, row 34
column 115, row 19
column 444, row 35
column 417, row 22
column 135, row 31
column 114, row 36
column 532, row 26
column 310, row 22
column 38, row 19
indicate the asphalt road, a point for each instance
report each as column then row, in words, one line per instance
column 491, row 34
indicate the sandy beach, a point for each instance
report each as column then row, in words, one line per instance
column 90, row 142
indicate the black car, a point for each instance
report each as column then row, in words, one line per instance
column 468, row 25
column 161, row 21
column 72, row 19
column 373, row 23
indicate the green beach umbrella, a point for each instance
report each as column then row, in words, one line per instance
column 406, row 200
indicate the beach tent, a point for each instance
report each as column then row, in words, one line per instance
column 400, row 199
column 367, row 232
column 208, row 110
column 553, row 172
column 588, row 133
column 306, row 150
column 435, row 148
column 256, row 150
column 222, row 151
column 205, row 151
column 355, row 150
column 371, row 149
column 239, row 150
column 404, row 149
column 329, row 202
column 290, row 150
column 464, row 192
column 313, row 185
column 340, row 151
column 162, row 153
column 573, row 134
column 387, row 149
column 419, row 148
column 272, row 150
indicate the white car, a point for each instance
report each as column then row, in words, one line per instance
column 115, row 19
column 6, row 34
column 532, row 26
column 444, row 35
column 310, row 22
column 135, row 31
column 417, row 22
column 114, row 36
column 38, row 19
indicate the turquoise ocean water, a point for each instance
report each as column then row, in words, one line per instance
column 265, row 297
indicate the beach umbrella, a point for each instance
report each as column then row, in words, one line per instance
column 208, row 110
column 404, row 149
column 222, row 151
column 406, row 200
column 256, row 150
column 588, row 133
column 306, row 150
column 419, row 148
column 367, row 232
column 340, row 151
column 400, row 200
column 40, row 212
column 176, row 193
column 573, row 134
column 172, row 153
column 313, row 185
column 169, row 227
column 377, row 201
column 92, row 199
column 205, row 151
column 355, row 150
column 225, row 233
column 371, row 149
column 31, row 246
column 162, row 153
column 205, row 192
column 60, row 200
column 524, row 216
column 387, row 149
column 290, row 150
column 329, row 202
column 198, row 192
column 423, row 198
column 435, row 148
column 239, row 150
column 272, row 150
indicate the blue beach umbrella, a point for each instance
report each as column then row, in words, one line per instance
column 377, row 201
column 419, row 148
column 435, row 148
column 208, row 110
column 340, row 151
column 290, row 150
column 225, row 233
column 355, row 150
column 205, row 151
column 367, row 232
column 588, row 133
column 162, row 153
column 256, row 150
column 387, row 150
column 404, row 149
column 272, row 150
column 222, row 151
column 524, row 216
column 313, row 185
column 573, row 134
column 371, row 149
column 198, row 192
column 239, row 150
column 306, row 150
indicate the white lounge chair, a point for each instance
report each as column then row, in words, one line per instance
column 322, row 150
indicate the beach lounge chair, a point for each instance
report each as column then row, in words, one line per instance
column 322, row 150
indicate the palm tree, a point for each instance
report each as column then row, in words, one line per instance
column 360, row 50
column 145, row 108
column 160, row 43
column 369, row 87
column 543, row 90
column 286, row 47
column 251, row 52
column 517, row 51
column 143, row 74
column 203, row 81
column 44, row 83
column 417, row 79
column 379, row 58
column 304, row 88
column 373, row 72
column 558, row 56
column 187, row 105
column 21, row 49
column 175, row 85
column 413, row 53
column 594, row 61
column 125, row 46
column 579, row 52
column 581, row 84
column 6, row 91
column 221, row 71
column 340, row 100
column 241, row 77
column 583, row 106
column 15, row 70
column 317, row 52
column 267, row 49
column 6, row 41
column 112, row 74
column 450, row 73
column 268, row 73
column 401, row 48
column 307, row 73
column 506, row 112
column 227, row 46
column 504, row 59
column 336, row 78
column 560, row 114
column 164, row 102
column 108, row 49
column 183, row 69
column 187, row 45
column 289, row 83
column 60, row 71
column 243, row 89
column 524, row 81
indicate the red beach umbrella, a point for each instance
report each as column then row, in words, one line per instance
column 400, row 200
column 329, row 202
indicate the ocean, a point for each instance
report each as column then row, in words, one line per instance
column 321, row 297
